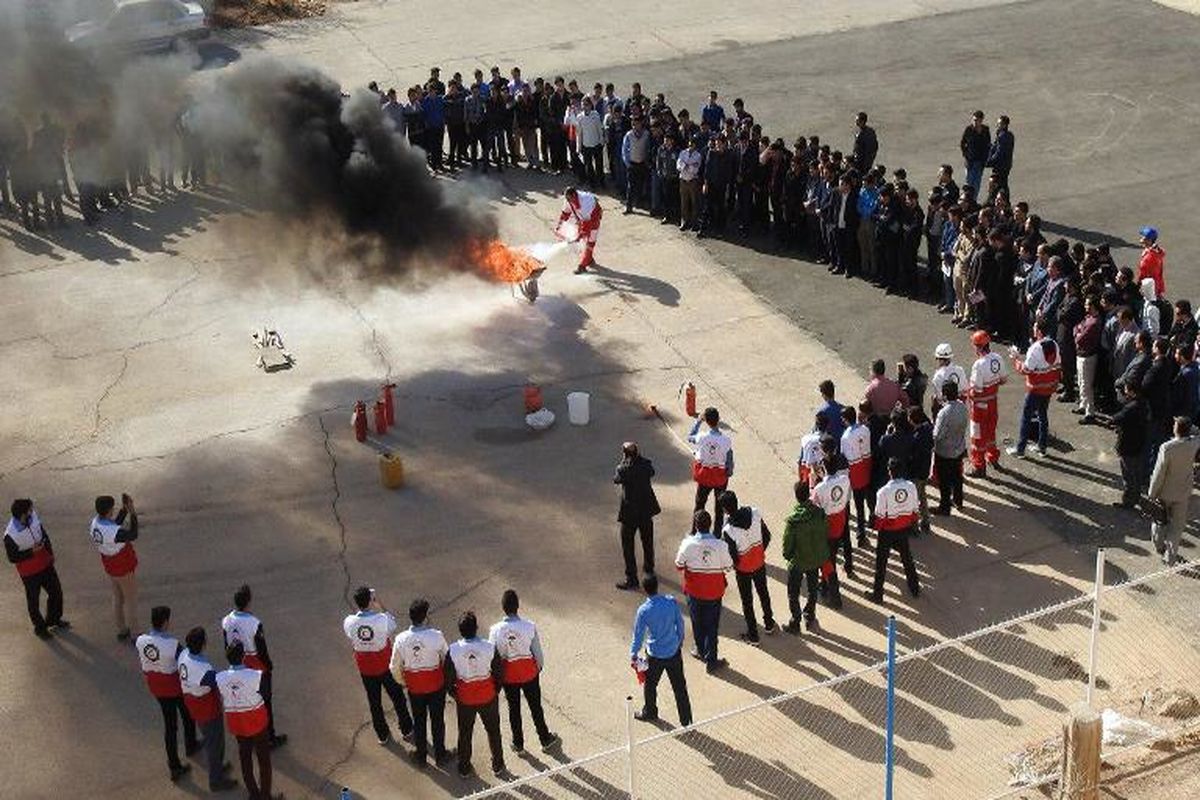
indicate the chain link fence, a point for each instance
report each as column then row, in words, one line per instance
column 979, row 716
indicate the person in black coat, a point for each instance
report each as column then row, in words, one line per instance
column 866, row 144
column 842, row 223
column 636, row 514
column 1156, row 389
column 1131, row 423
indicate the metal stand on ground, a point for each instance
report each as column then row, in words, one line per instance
column 629, row 746
column 1093, row 647
column 889, row 758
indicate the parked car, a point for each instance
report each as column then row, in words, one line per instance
column 142, row 25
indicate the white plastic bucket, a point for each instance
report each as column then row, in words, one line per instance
column 578, row 408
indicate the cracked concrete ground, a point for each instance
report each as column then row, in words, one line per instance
column 129, row 367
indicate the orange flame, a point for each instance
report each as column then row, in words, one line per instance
column 499, row 262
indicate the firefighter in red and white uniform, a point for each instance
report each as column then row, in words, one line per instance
column 248, row 719
column 748, row 537
column 1042, row 368
column 810, row 449
column 856, row 449
column 583, row 210
column 832, row 495
column 704, row 559
column 370, row 632
column 198, row 679
column 113, row 533
column 158, row 652
column 988, row 374
column 418, row 657
column 521, row 661
column 241, row 627
column 473, row 673
column 712, row 461
column 896, row 513
column 29, row 550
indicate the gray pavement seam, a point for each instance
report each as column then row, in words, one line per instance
column 333, row 507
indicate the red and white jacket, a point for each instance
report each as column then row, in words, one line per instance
column 987, row 373
column 520, row 649
column 202, row 701
column 157, row 652
column 118, row 558
column 810, row 455
column 585, row 212
column 418, row 655
column 896, row 506
column 32, row 540
column 241, row 627
column 1041, row 366
column 704, row 560
column 474, row 684
column 711, row 457
column 749, row 543
column 245, row 712
column 832, row 495
column 856, row 447
column 370, row 633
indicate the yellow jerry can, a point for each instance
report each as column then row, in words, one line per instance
column 391, row 471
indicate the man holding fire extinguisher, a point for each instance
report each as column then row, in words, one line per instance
column 712, row 464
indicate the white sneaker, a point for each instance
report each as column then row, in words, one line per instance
column 1014, row 452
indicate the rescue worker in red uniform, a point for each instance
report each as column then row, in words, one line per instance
column 370, row 632
column 988, row 374
column 158, row 653
column 202, row 699
column 832, row 495
column 896, row 514
column 748, row 538
column 29, row 550
column 583, row 210
column 1152, row 263
column 114, row 539
column 248, row 719
column 856, row 449
column 417, row 660
column 712, row 462
column 521, row 662
column 703, row 559
column 241, row 627
column 473, row 673
column 1042, row 368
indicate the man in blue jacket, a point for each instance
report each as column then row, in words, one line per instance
column 659, row 623
column 1000, row 155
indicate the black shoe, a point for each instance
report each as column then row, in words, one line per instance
column 223, row 785
column 863, row 541
column 627, row 584
column 443, row 757
column 939, row 511
column 877, row 599
column 179, row 771
column 580, row 270
column 549, row 740
column 772, row 629
column 1087, row 419
column 193, row 748
column 748, row 639
column 811, row 625
column 419, row 760
column 694, row 653
column 645, row 716
column 850, row 574
column 465, row 769
column 792, row 627
column 61, row 624
column 915, row 591
column 385, row 739
column 43, row 633
column 835, row 602
column 518, row 747
column 498, row 768
column 713, row 666
column 279, row 740
column 1123, row 504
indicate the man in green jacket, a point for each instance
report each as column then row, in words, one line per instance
column 805, row 549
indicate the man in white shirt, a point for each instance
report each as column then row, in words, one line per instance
column 689, row 163
column 589, row 135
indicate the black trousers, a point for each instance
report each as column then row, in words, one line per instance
column 748, row 584
column 593, row 165
column 833, row 582
column 173, row 711
column 673, row 666
column 950, row 482
column 628, row 531
column 702, row 493
column 795, row 577
column 375, row 686
column 883, row 548
column 266, row 689
column 429, row 708
column 843, row 255
column 458, row 143
column 637, row 176
column 533, row 698
column 713, row 208
column 861, row 510
column 251, row 748
column 489, row 715
column 47, row 581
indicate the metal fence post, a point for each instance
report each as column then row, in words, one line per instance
column 888, row 759
column 632, row 776
column 1094, row 645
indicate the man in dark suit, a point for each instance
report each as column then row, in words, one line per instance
column 866, row 144
column 638, row 508
column 842, row 222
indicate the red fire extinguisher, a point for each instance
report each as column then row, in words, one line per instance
column 389, row 402
column 533, row 398
column 359, row 420
column 381, row 425
column 688, row 390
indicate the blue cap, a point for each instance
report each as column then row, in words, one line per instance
column 1149, row 233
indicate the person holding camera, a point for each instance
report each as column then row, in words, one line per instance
column 639, row 506
column 370, row 632
column 113, row 533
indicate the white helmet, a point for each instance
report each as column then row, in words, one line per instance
column 943, row 350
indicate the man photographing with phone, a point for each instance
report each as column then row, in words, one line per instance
column 113, row 533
